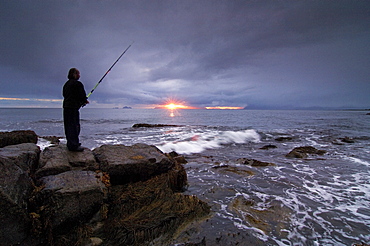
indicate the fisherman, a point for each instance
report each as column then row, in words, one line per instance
column 74, row 98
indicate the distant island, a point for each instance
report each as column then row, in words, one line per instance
column 125, row 107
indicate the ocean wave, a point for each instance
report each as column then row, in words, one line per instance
column 210, row 140
column 357, row 160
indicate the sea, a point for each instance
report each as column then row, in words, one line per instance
column 317, row 200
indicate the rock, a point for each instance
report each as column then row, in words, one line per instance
column 57, row 159
column 361, row 244
column 53, row 160
column 201, row 243
column 16, row 162
column 220, row 166
column 269, row 146
column 235, row 170
column 94, row 241
column 133, row 204
column 266, row 218
column 17, row 137
column 342, row 141
column 74, row 203
column 253, row 163
column 15, row 188
column 148, row 211
column 72, row 196
column 25, row 156
column 283, row 139
column 153, row 125
column 126, row 164
column 178, row 158
column 337, row 142
column 347, row 140
column 302, row 152
column 52, row 139
column 172, row 154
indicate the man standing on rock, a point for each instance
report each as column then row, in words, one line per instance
column 74, row 98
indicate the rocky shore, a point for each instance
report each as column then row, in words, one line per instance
column 115, row 195
column 112, row 195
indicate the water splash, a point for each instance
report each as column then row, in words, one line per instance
column 210, row 140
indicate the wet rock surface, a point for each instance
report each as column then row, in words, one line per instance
column 71, row 196
column 57, row 159
column 134, row 163
column 58, row 197
column 52, row 139
column 303, row 152
column 266, row 219
column 283, row 139
column 16, row 187
column 153, row 125
column 253, row 162
column 17, row 137
column 269, row 146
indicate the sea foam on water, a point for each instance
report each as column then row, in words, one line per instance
column 210, row 140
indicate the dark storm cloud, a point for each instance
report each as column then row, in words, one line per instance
column 206, row 53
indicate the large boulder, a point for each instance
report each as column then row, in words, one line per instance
column 25, row 156
column 151, row 211
column 126, row 164
column 72, row 196
column 16, row 162
column 17, row 137
column 58, row 159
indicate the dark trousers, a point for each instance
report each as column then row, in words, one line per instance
column 72, row 127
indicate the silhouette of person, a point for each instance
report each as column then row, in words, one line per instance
column 74, row 98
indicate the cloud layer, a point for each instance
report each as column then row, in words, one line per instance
column 260, row 54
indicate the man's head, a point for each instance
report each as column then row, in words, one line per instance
column 73, row 74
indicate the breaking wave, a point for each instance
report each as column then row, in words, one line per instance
column 210, row 140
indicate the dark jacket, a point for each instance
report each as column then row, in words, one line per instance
column 74, row 94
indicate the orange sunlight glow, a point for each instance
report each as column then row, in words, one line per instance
column 218, row 107
column 29, row 99
column 173, row 105
column 14, row 99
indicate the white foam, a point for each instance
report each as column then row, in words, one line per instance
column 43, row 143
column 63, row 140
column 357, row 160
column 210, row 140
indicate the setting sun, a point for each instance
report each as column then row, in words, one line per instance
column 175, row 106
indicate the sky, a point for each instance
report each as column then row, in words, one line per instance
column 260, row 54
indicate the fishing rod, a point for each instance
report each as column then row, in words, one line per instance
column 108, row 71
